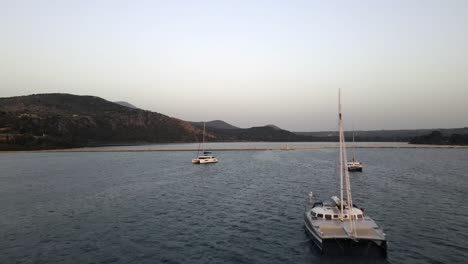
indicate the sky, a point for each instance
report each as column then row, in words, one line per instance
column 399, row 64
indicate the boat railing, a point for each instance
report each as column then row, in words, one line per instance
column 317, row 204
column 310, row 202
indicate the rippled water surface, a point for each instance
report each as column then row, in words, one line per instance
column 156, row 207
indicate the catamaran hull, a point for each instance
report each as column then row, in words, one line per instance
column 360, row 247
column 204, row 161
column 349, row 247
column 208, row 161
column 355, row 169
column 346, row 246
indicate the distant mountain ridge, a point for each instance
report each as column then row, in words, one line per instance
column 274, row 127
column 65, row 120
column 439, row 138
column 48, row 121
column 401, row 135
column 215, row 124
column 126, row 104
column 228, row 132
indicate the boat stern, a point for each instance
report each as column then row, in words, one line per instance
column 355, row 247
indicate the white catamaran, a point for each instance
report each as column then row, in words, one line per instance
column 339, row 227
column 354, row 165
column 206, row 156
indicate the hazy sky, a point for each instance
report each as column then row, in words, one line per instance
column 400, row 64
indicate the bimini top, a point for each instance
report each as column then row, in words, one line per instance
column 329, row 211
column 206, row 152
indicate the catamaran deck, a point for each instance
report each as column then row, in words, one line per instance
column 365, row 229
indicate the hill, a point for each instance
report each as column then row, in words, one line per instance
column 126, row 104
column 274, row 127
column 64, row 120
column 384, row 135
column 438, row 138
column 215, row 124
column 262, row 133
column 48, row 121
column 227, row 132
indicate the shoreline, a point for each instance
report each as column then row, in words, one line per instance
column 230, row 149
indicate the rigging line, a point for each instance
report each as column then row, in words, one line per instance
column 336, row 157
column 348, row 184
column 341, row 154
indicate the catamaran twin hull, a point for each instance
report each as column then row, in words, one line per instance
column 333, row 239
column 354, row 166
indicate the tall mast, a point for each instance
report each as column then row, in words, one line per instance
column 348, row 193
column 203, row 143
column 344, row 158
column 341, row 155
column 354, row 147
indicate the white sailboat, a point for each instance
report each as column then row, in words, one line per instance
column 206, row 156
column 354, row 165
column 339, row 227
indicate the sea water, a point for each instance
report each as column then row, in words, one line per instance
column 157, row 207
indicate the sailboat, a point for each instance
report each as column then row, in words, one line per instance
column 205, row 156
column 339, row 227
column 354, row 165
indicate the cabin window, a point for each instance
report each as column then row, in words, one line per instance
column 320, row 215
column 314, row 214
column 360, row 216
column 328, row 217
column 335, row 216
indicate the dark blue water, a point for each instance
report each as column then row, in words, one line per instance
column 156, row 207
